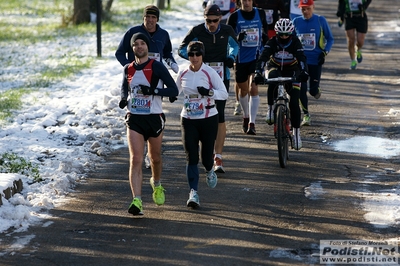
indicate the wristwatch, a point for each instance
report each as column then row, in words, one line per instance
column 210, row 92
column 155, row 91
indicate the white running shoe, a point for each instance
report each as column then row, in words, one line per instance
column 270, row 119
column 211, row 179
column 147, row 163
column 297, row 144
column 193, row 200
column 218, row 166
column 238, row 109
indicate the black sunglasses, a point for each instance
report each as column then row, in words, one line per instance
column 212, row 20
column 195, row 54
column 284, row 33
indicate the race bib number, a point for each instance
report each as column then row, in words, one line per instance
column 140, row 104
column 194, row 106
column 252, row 38
column 219, row 67
column 308, row 41
column 155, row 56
column 269, row 15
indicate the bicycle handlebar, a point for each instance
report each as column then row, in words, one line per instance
column 279, row 80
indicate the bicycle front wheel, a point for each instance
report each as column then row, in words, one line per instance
column 281, row 135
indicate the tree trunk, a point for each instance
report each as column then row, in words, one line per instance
column 161, row 4
column 81, row 12
column 108, row 5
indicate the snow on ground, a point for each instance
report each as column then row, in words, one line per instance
column 68, row 126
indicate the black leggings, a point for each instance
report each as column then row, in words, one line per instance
column 293, row 91
column 315, row 76
column 199, row 130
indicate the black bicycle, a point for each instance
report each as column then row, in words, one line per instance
column 282, row 125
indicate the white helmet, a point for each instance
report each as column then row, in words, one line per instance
column 284, row 25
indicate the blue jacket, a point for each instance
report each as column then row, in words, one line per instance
column 159, row 43
column 309, row 33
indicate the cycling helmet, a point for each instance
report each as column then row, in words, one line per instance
column 284, row 25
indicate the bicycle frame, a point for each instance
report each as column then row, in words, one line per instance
column 282, row 130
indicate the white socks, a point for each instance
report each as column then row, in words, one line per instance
column 244, row 102
column 254, row 103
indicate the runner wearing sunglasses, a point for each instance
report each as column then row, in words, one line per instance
column 201, row 86
column 221, row 49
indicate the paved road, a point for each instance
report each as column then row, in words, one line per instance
column 259, row 214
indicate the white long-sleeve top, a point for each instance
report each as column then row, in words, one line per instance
column 196, row 106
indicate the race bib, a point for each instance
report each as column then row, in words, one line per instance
column 193, row 105
column 219, row 67
column 140, row 104
column 308, row 41
column 223, row 4
column 155, row 56
column 353, row 4
column 252, row 38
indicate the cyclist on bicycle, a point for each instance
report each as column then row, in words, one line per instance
column 284, row 57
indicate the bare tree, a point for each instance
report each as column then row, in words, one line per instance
column 108, row 5
column 83, row 8
column 81, row 12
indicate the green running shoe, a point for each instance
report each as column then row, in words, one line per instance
column 158, row 193
column 306, row 120
column 353, row 65
column 359, row 57
column 136, row 207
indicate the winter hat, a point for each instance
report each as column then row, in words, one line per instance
column 306, row 3
column 196, row 46
column 151, row 10
column 141, row 36
column 212, row 10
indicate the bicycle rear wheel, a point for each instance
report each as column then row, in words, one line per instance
column 281, row 135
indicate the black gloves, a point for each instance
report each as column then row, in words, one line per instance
column 303, row 76
column 203, row 91
column 241, row 36
column 123, row 103
column 172, row 99
column 258, row 78
column 146, row 90
column 321, row 58
column 204, row 4
column 340, row 22
column 339, row 14
column 229, row 62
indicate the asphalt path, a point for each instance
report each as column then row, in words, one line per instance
column 259, row 213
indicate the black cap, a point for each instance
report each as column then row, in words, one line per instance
column 151, row 10
column 141, row 36
column 212, row 10
column 196, row 46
